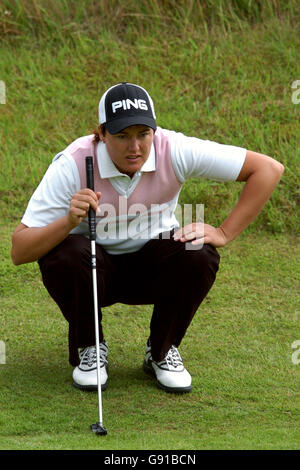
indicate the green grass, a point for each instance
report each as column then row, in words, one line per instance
column 232, row 86
column 238, row 351
column 217, row 70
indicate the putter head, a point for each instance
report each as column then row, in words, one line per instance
column 97, row 428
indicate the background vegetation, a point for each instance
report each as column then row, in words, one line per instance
column 218, row 70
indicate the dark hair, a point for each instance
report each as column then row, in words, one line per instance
column 96, row 133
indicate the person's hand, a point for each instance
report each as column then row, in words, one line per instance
column 80, row 203
column 199, row 233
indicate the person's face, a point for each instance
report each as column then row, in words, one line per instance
column 130, row 148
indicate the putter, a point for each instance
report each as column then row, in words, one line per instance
column 98, row 427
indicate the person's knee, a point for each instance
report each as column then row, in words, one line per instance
column 68, row 255
column 206, row 258
column 75, row 249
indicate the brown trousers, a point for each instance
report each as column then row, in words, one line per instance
column 163, row 273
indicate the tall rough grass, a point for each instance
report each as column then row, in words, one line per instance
column 58, row 19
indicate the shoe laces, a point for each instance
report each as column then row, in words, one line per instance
column 88, row 356
column 173, row 358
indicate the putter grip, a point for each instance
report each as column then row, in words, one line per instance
column 90, row 184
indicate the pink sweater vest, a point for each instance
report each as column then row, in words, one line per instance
column 155, row 187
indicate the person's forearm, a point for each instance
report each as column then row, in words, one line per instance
column 31, row 243
column 254, row 196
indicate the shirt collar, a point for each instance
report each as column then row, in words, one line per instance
column 108, row 169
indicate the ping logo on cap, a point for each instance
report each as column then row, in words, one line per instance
column 124, row 105
column 127, row 104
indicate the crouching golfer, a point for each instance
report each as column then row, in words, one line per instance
column 143, row 256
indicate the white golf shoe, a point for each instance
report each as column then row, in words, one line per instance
column 85, row 375
column 170, row 373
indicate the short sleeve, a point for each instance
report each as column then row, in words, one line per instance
column 51, row 199
column 196, row 158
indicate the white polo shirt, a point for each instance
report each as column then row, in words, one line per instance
column 191, row 158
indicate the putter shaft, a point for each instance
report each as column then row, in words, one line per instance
column 95, row 294
column 98, row 427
